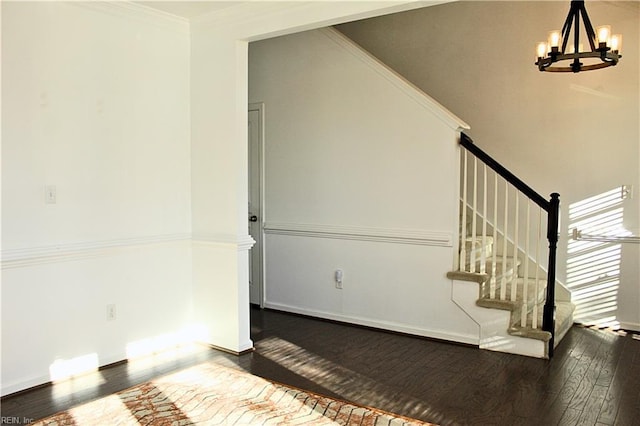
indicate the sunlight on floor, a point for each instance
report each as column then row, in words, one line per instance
column 164, row 344
column 82, row 374
column 349, row 384
column 593, row 266
column 62, row 369
column 79, row 374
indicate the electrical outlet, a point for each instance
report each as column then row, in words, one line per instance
column 111, row 312
column 339, row 275
column 627, row 192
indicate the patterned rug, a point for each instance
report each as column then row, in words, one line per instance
column 215, row 394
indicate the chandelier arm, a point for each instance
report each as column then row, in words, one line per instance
column 576, row 40
column 566, row 28
column 591, row 34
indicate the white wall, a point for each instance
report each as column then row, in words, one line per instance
column 576, row 134
column 354, row 169
column 95, row 102
column 219, row 69
column 134, row 116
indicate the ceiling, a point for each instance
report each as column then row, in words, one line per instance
column 188, row 9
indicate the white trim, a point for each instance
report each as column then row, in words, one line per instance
column 402, row 84
column 242, row 18
column 245, row 242
column 32, row 256
column 382, row 235
column 17, row 386
column 630, row 326
column 40, row 255
column 259, row 107
column 139, row 13
column 383, row 325
column 242, row 13
column 241, row 242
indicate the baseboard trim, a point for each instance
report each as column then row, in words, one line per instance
column 630, row 326
column 229, row 351
column 38, row 382
column 377, row 325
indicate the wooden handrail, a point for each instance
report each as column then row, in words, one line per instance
column 467, row 142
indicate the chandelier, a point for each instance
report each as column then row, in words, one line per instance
column 605, row 47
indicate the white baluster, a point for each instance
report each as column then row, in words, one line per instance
column 516, row 250
column 494, row 252
column 463, row 230
column 474, row 212
column 525, row 288
column 503, row 280
column 537, row 266
column 483, row 254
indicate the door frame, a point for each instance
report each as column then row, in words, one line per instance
column 260, row 246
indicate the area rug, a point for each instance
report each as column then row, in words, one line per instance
column 215, row 394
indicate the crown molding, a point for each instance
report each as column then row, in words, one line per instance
column 257, row 20
column 138, row 13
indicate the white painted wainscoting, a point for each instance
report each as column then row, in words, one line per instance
column 391, row 278
column 54, row 304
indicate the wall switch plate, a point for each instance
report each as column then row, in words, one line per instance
column 50, row 194
column 111, row 312
column 339, row 275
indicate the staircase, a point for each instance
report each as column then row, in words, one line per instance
column 504, row 265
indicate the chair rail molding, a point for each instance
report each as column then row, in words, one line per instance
column 38, row 255
column 343, row 232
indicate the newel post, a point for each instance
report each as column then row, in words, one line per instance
column 549, row 313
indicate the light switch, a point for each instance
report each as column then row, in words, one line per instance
column 50, row 196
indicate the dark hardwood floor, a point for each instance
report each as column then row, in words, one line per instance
column 594, row 378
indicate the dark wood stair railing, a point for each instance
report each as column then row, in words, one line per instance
column 552, row 208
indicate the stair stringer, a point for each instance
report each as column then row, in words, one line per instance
column 493, row 323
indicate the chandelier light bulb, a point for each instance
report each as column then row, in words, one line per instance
column 554, row 39
column 616, row 43
column 602, row 34
column 542, row 49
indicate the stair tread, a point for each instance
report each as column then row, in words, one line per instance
column 564, row 312
column 509, row 266
column 470, row 238
column 531, row 291
column 468, row 276
column 531, row 333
